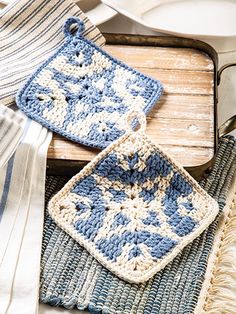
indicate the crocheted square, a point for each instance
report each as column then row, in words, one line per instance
column 133, row 208
column 83, row 93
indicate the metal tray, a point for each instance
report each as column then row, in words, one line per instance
column 65, row 157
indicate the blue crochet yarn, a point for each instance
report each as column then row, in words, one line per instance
column 83, row 93
column 133, row 208
column 112, row 168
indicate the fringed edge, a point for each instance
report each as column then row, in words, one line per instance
column 219, row 286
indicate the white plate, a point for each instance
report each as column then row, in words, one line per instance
column 212, row 20
column 96, row 11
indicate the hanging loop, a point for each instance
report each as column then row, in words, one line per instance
column 73, row 27
column 134, row 118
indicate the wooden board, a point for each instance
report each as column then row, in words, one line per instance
column 183, row 120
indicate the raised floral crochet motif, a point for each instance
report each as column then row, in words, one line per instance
column 133, row 208
column 84, row 94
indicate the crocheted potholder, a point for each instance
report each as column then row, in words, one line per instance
column 133, row 208
column 83, row 93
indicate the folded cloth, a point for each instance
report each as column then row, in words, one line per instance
column 21, row 221
column 22, row 180
column 70, row 277
column 26, row 279
column 11, row 131
column 30, row 31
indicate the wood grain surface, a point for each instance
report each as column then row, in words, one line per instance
column 183, row 120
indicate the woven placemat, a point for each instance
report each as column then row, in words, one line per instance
column 70, row 277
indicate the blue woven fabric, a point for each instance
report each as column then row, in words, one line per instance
column 83, row 93
column 133, row 208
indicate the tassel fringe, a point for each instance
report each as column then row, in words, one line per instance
column 218, row 295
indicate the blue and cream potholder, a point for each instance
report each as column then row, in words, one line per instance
column 83, row 93
column 132, row 207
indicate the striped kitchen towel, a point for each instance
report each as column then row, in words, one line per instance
column 22, row 180
column 22, row 183
column 11, row 131
column 71, row 277
column 30, row 31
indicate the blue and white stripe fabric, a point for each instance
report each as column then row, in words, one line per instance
column 11, row 130
column 21, row 221
column 30, row 31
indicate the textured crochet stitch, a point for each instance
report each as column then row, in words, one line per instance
column 83, row 93
column 133, row 208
